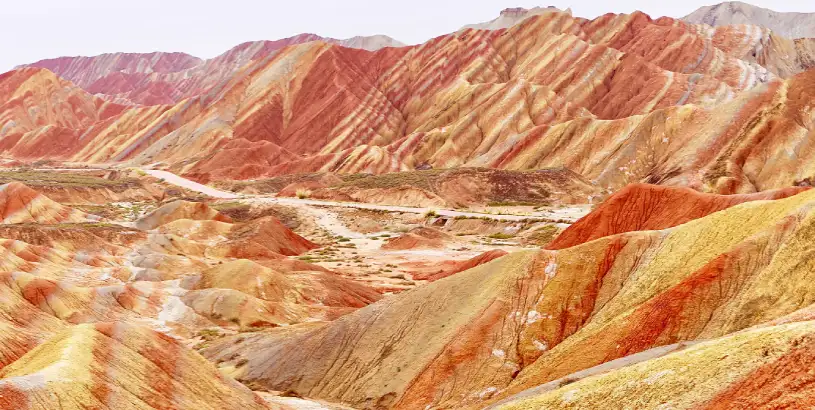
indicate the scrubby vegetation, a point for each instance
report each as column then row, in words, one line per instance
column 512, row 203
column 543, row 235
column 65, row 179
column 501, row 235
column 303, row 193
column 243, row 212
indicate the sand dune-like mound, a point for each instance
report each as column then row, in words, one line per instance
column 247, row 277
column 180, row 210
column 109, row 238
column 419, row 238
column 149, row 303
column 436, row 271
column 264, row 283
column 228, row 307
column 250, row 295
column 23, row 325
column 21, row 204
column 642, row 207
column 534, row 317
column 117, row 365
column 263, row 236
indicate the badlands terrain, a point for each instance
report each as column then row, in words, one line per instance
column 540, row 211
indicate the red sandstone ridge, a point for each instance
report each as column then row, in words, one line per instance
column 166, row 78
column 661, row 101
column 264, row 235
column 679, row 104
column 86, row 71
column 643, row 207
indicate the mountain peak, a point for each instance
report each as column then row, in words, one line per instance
column 512, row 16
column 787, row 24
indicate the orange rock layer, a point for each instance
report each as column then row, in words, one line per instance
column 547, row 320
column 617, row 99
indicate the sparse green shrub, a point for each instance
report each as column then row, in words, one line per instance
column 501, row 235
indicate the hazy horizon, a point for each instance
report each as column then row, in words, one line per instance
column 57, row 28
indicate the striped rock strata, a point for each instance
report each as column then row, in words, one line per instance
column 535, row 317
column 618, row 99
column 166, row 78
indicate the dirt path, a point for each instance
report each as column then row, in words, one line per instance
column 174, row 179
column 331, row 222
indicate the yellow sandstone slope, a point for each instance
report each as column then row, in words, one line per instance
column 537, row 316
column 767, row 367
column 118, row 366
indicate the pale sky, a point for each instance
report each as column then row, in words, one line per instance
column 34, row 30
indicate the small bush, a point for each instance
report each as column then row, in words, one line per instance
column 543, row 235
column 501, row 235
column 431, row 214
column 303, row 193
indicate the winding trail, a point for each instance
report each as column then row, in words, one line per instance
column 176, row 180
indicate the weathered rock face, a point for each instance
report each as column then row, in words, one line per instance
column 538, row 317
column 791, row 25
column 509, row 17
column 617, row 99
